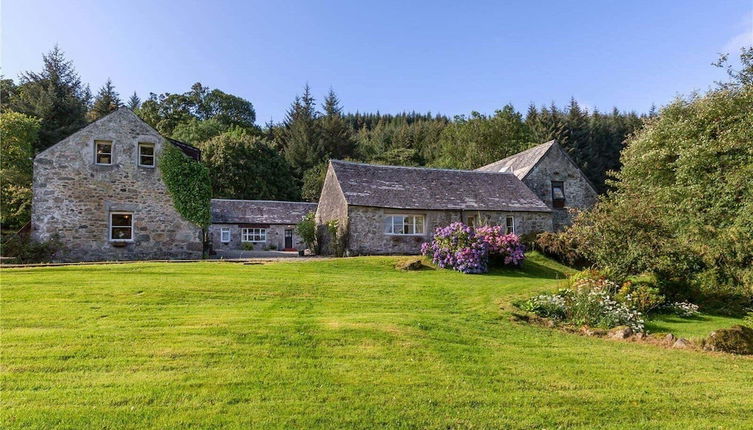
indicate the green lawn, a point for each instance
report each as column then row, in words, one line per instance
column 695, row 327
column 348, row 343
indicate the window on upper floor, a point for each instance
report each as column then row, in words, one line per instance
column 404, row 224
column 121, row 226
column 558, row 194
column 103, row 152
column 146, row 154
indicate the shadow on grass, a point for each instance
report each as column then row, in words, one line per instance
column 529, row 269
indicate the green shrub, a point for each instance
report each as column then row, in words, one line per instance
column 307, row 230
column 561, row 246
column 640, row 296
column 247, row 246
column 26, row 251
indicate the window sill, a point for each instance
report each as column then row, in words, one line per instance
column 405, row 235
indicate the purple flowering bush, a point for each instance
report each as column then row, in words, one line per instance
column 468, row 250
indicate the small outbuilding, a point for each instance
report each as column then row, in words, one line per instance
column 256, row 224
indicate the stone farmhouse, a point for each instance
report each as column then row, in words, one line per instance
column 100, row 192
column 391, row 209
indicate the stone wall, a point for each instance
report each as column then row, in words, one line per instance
column 332, row 206
column 275, row 237
column 73, row 197
column 557, row 166
column 366, row 224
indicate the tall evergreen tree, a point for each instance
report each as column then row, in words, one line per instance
column 301, row 134
column 134, row 101
column 56, row 96
column 337, row 138
column 106, row 101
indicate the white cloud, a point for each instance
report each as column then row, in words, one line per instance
column 744, row 38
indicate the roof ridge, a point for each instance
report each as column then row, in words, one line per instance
column 265, row 201
column 440, row 169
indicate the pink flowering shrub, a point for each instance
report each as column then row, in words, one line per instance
column 504, row 247
column 468, row 250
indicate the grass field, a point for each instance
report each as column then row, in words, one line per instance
column 695, row 327
column 348, row 343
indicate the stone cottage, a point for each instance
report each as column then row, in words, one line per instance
column 256, row 224
column 553, row 176
column 392, row 210
column 100, row 192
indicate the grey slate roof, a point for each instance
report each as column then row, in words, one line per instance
column 225, row 211
column 187, row 149
column 521, row 163
column 433, row 189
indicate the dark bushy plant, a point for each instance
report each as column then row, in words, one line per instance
column 25, row 251
column 561, row 246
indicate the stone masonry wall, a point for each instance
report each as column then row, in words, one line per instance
column 73, row 197
column 275, row 238
column 332, row 206
column 366, row 224
column 557, row 166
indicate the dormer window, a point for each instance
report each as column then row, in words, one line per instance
column 146, row 154
column 103, row 152
column 558, row 194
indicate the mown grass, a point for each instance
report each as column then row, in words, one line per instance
column 695, row 327
column 348, row 343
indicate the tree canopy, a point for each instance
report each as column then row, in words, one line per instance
column 682, row 204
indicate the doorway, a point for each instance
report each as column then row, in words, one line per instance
column 288, row 239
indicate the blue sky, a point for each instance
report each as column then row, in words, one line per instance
column 448, row 57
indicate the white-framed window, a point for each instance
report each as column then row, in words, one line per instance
column 103, row 152
column 225, row 234
column 121, row 226
column 146, row 154
column 253, row 235
column 404, row 224
column 510, row 224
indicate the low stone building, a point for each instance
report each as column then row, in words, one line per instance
column 392, row 210
column 100, row 192
column 553, row 176
column 256, row 224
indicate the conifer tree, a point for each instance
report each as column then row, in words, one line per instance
column 107, row 100
column 134, row 101
column 337, row 138
column 55, row 95
column 301, row 135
